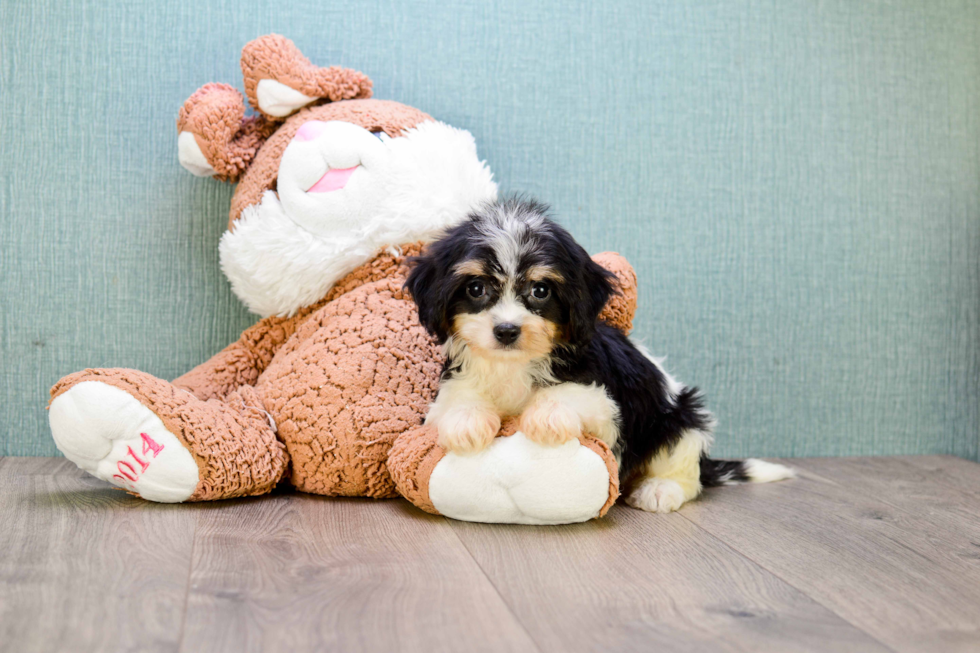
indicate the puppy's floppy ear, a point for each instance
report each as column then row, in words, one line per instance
column 586, row 288
column 588, row 293
column 426, row 283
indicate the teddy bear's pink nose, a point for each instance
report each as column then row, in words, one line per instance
column 310, row 130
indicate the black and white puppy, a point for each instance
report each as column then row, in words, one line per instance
column 515, row 302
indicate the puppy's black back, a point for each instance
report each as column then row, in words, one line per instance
column 651, row 417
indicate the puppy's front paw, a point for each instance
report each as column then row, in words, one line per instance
column 550, row 422
column 467, row 430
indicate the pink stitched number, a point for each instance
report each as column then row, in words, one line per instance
column 136, row 458
column 132, row 470
column 150, row 445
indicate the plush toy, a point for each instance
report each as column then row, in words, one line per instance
column 334, row 191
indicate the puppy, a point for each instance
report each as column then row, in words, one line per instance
column 515, row 302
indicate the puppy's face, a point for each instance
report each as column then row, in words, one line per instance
column 513, row 314
column 509, row 283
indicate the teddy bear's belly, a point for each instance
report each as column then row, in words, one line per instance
column 357, row 374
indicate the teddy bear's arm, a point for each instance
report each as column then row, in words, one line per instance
column 621, row 307
column 241, row 362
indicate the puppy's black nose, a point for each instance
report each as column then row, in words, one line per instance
column 506, row 333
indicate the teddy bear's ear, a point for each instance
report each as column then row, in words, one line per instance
column 279, row 80
column 215, row 138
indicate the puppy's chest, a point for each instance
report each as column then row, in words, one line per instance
column 509, row 387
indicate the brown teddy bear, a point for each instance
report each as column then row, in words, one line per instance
column 335, row 190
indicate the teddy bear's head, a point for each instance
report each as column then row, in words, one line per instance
column 326, row 175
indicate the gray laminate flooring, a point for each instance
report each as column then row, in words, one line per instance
column 857, row 554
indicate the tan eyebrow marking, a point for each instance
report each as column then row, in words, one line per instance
column 472, row 267
column 539, row 272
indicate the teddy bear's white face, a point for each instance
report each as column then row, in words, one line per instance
column 333, row 176
column 344, row 193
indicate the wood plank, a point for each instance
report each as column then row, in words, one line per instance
column 959, row 473
column 878, row 566
column 641, row 582
column 84, row 567
column 949, row 504
column 41, row 466
column 296, row 572
column 888, row 545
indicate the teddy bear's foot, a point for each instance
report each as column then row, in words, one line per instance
column 518, row 481
column 112, row 436
column 152, row 438
column 513, row 481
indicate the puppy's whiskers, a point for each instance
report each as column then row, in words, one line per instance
column 506, row 378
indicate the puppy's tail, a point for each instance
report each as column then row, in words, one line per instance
column 750, row 470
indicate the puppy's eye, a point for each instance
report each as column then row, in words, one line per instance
column 540, row 291
column 476, row 289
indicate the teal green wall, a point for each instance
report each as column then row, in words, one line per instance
column 797, row 184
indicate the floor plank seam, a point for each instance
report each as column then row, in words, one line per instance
column 762, row 566
column 496, row 589
column 883, row 497
column 941, row 479
column 187, row 588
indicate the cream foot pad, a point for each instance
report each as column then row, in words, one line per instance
column 112, row 436
column 518, row 481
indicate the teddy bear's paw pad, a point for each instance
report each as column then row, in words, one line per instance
column 657, row 495
column 278, row 100
column 517, row 481
column 111, row 435
column 191, row 157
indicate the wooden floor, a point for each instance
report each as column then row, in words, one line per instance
column 870, row 554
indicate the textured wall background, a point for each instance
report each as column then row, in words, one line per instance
column 797, row 183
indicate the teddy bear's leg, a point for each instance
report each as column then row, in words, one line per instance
column 214, row 136
column 143, row 434
column 279, row 79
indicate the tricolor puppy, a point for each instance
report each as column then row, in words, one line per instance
column 515, row 301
